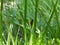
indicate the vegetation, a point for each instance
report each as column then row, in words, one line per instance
column 29, row 22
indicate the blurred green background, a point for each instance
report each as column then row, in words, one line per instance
column 30, row 22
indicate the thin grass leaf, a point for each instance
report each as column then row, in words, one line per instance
column 36, row 11
column 1, row 21
column 8, row 40
column 25, row 13
column 35, row 19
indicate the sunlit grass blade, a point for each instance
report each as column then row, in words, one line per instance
column 8, row 40
column 31, row 37
column 31, row 40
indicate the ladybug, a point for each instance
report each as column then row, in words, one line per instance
column 31, row 22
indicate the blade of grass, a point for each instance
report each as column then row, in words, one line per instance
column 31, row 37
column 1, row 20
column 30, row 41
column 35, row 19
column 36, row 11
column 8, row 39
column 25, row 13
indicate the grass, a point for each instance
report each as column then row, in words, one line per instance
column 1, row 21
column 52, row 12
column 30, row 22
column 25, row 13
column 35, row 19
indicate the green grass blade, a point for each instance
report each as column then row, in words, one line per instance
column 25, row 13
column 1, row 20
column 36, row 11
column 35, row 19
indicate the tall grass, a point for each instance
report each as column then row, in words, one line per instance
column 36, row 12
column 1, row 21
column 25, row 13
column 35, row 19
column 52, row 13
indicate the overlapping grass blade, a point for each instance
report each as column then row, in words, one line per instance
column 51, row 16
